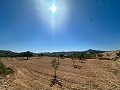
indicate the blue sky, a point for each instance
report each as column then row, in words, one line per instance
column 86, row 24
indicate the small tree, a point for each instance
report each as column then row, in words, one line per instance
column 73, row 58
column 41, row 55
column 81, row 57
column 6, row 54
column 12, row 55
column 62, row 56
column 38, row 56
column 55, row 64
column 27, row 54
column 21, row 55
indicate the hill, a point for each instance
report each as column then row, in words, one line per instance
column 111, row 54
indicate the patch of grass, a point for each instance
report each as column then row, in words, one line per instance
column 4, row 70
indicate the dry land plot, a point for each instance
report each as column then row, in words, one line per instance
column 36, row 74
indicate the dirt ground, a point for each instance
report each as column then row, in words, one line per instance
column 36, row 74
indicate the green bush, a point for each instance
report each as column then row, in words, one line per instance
column 4, row 70
column 83, row 55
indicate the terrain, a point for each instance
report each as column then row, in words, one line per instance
column 36, row 74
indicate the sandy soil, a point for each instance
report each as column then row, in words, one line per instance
column 36, row 74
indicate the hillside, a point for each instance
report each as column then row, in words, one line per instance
column 111, row 54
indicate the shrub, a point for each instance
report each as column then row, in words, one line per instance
column 55, row 64
column 118, row 54
column 100, row 55
column 27, row 54
column 4, row 70
column 41, row 55
column 62, row 56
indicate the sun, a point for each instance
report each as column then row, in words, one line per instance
column 53, row 8
column 54, row 12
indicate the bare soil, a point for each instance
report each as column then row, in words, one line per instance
column 36, row 74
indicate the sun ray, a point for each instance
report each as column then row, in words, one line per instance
column 54, row 12
column 53, row 24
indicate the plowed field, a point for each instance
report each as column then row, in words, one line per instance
column 36, row 74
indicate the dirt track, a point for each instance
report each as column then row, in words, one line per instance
column 35, row 74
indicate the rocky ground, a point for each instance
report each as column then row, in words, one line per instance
column 5, row 85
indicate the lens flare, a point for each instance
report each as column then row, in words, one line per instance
column 53, row 8
column 53, row 12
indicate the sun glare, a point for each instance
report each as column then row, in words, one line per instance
column 53, row 8
column 53, row 12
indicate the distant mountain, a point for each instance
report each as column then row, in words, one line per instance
column 6, row 52
column 71, row 52
column 65, row 53
column 94, row 51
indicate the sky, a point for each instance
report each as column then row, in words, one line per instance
column 77, row 25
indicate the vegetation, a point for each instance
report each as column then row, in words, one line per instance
column 62, row 56
column 11, row 54
column 118, row 54
column 40, row 55
column 4, row 70
column 83, row 55
column 79, row 56
column 27, row 54
column 73, row 59
column 100, row 55
column 55, row 64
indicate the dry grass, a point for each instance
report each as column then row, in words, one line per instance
column 35, row 74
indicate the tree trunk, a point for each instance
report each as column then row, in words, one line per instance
column 11, row 58
column 55, row 72
column 27, row 58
